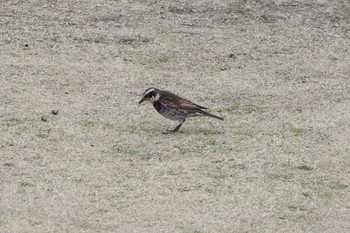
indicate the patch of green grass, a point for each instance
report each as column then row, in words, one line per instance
column 53, row 139
column 77, row 180
column 3, row 222
column 248, row 133
column 146, row 122
column 249, row 108
column 117, row 149
column 245, row 108
column 238, row 166
column 233, row 107
column 98, row 7
column 163, row 59
column 185, row 149
column 219, row 187
column 44, row 134
column 338, row 185
column 269, row 134
column 13, row 121
column 132, row 152
column 305, row 168
column 24, row 184
column 288, row 151
column 126, row 151
column 277, row 176
column 306, row 194
column 324, row 194
column 119, row 195
column 132, row 128
column 296, row 208
column 219, row 171
column 89, row 125
column 212, row 142
column 108, row 125
column 21, row 130
column 146, row 157
column 297, row 131
column 209, row 131
column 337, row 97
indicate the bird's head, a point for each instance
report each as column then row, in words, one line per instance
column 151, row 94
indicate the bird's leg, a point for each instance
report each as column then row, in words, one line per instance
column 176, row 128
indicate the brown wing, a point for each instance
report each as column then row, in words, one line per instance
column 174, row 101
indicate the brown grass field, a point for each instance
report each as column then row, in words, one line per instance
column 278, row 71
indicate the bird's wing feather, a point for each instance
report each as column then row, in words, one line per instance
column 174, row 101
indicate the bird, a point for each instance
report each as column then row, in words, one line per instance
column 174, row 107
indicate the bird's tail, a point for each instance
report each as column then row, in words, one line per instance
column 211, row 115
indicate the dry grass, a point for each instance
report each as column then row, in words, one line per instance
column 278, row 71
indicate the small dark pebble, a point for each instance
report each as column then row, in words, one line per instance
column 43, row 118
column 232, row 55
column 8, row 164
column 26, row 45
column 54, row 112
column 92, row 145
column 127, row 59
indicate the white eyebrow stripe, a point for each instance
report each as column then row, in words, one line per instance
column 149, row 91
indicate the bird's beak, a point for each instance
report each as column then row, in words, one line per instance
column 143, row 99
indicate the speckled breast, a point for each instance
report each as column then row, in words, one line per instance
column 171, row 113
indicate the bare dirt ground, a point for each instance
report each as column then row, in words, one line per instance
column 278, row 71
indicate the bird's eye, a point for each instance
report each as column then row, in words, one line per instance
column 149, row 95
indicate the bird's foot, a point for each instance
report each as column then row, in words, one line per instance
column 175, row 129
column 169, row 131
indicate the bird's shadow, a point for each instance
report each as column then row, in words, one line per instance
column 192, row 131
